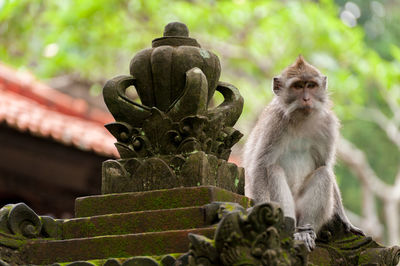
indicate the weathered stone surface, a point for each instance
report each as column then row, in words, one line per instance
column 21, row 221
column 135, row 222
column 336, row 246
column 168, row 260
column 157, row 243
column 113, row 230
column 183, row 260
column 80, row 263
column 163, row 172
column 217, row 210
column 10, row 255
column 260, row 236
column 171, row 138
column 140, row 261
column 154, row 200
column 112, row 262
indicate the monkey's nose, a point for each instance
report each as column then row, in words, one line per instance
column 306, row 99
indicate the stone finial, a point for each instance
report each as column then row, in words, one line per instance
column 176, row 29
column 172, row 138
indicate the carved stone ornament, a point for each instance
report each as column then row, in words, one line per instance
column 337, row 246
column 260, row 236
column 20, row 221
column 172, row 138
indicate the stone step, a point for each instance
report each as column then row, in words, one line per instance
column 135, row 222
column 117, row 246
column 154, row 200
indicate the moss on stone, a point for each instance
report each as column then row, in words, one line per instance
column 155, row 200
column 11, row 242
column 101, row 262
column 135, row 222
column 365, row 258
column 124, row 246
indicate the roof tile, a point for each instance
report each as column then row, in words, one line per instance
column 35, row 110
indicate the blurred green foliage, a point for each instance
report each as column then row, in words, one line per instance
column 381, row 21
column 254, row 39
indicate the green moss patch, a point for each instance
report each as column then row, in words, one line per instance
column 154, row 200
column 47, row 252
column 135, row 222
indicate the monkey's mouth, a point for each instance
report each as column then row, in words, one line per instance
column 306, row 105
column 306, row 108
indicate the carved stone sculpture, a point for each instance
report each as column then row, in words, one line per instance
column 260, row 236
column 18, row 221
column 337, row 246
column 172, row 138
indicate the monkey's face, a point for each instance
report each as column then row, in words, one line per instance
column 301, row 87
column 304, row 94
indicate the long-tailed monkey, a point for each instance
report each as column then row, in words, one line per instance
column 290, row 153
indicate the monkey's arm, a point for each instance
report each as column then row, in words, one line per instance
column 260, row 153
column 266, row 180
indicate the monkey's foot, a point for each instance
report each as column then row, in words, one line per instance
column 306, row 234
column 355, row 230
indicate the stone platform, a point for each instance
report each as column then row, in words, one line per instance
column 156, row 227
column 131, row 224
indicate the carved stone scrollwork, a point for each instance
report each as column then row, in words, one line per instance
column 259, row 236
column 337, row 246
column 173, row 125
column 21, row 221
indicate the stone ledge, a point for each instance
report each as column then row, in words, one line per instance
column 155, row 200
column 135, row 222
column 121, row 246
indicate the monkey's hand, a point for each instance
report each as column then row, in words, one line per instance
column 306, row 234
column 352, row 229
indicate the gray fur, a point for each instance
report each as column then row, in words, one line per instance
column 289, row 158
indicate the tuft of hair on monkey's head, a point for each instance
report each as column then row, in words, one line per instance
column 300, row 67
column 301, row 86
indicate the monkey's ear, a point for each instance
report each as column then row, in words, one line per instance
column 324, row 82
column 276, row 85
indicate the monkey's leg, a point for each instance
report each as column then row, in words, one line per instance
column 270, row 185
column 314, row 205
column 278, row 190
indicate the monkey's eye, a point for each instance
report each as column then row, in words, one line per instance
column 311, row 85
column 297, row 85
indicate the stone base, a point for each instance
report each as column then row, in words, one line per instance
column 164, row 172
column 130, row 224
column 156, row 223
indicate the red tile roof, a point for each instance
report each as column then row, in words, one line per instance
column 30, row 106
